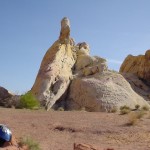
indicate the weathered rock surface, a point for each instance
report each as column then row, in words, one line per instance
column 102, row 92
column 54, row 75
column 56, row 69
column 138, row 85
column 86, row 64
column 137, row 65
column 136, row 70
column 4, row 94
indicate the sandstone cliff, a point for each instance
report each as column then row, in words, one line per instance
column 69, row 77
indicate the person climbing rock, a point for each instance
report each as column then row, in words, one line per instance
column 5, row 135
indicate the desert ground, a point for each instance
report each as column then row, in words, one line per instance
column 59, row 130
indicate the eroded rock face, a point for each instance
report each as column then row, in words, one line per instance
column 137, row 65
column 86, row 64
column 54, row 75
column 102, row 92
column 56, row 69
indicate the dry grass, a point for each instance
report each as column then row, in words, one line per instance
column 145, row 108
column 135, row 116
column 132, row 119
column 30, row 143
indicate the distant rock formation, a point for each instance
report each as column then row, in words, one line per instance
column 137, row 65
column 4, row 94
column 69, row 77
column 136, row 70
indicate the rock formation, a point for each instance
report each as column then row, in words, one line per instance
column 55, row 72
column 136, row 70
column 4, row 94
column 71, row 78
column 137, row 65
column 102, row 92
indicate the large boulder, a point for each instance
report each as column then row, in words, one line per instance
column 137, row 65
column 55, row 71
column 102, row 92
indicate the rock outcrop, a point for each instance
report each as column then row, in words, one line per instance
column 4, row 95
column 71, row 78
column 102, row 92
column 136, row 70
column 137, row 65
column 55, row 72
column 86, row 64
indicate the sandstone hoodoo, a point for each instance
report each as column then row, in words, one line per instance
column 70, row 78
column 55, row 72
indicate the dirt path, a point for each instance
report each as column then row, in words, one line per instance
column 60, row 130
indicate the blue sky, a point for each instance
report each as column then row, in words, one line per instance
column 113, row 29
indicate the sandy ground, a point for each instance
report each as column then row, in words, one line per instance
column 60, row 130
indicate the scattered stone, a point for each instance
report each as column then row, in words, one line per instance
column 82, row 146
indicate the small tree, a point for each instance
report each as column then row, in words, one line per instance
column 29, row 101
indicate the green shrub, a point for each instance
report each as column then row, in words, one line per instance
column 124, row 110
column 124, row 107
column 29, row 101
column 137, row 106
column 30, row 143
column 113, row 110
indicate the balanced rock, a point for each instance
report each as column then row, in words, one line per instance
column 86, row 64
column 137, row 65
column 55, row 71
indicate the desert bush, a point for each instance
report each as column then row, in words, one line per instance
column 124, row 110
column 145, row 108
column 29, row 101
column 30, row 143
column 137, row 106
column 113, row 110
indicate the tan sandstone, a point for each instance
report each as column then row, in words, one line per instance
column 138, row 65
column 102, row 92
